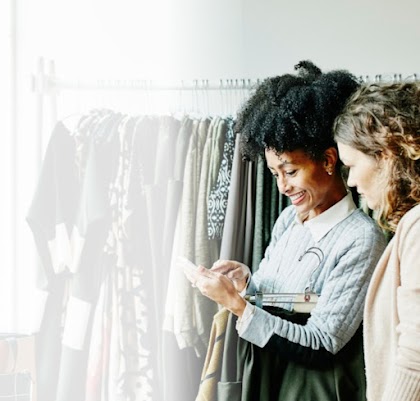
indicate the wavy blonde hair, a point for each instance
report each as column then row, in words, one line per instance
column 383, row 121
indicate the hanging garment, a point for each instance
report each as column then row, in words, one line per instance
column 51, row 217
column 286, row 371
column 90, row 206
column 180, row 384
column 174, row 195
column 212, row 368
column 207, row 250
column 184, row 326
column 233, row 244
column 218, row 197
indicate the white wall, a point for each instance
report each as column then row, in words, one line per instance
column 260, row 38
column 221, row 39
column 366, row 37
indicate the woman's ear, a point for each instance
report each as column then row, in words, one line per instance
column 330, row 159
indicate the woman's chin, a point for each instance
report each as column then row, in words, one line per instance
column 371, row 204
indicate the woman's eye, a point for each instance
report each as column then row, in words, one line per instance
column 291, row 172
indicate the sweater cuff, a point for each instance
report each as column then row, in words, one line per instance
column 405, row 385
column 243, row 321
column 260, row 328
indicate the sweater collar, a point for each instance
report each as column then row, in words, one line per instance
column 321, row 224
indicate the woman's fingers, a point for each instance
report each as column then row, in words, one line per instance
column 223, row 266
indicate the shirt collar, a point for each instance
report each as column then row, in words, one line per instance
column 321, row 224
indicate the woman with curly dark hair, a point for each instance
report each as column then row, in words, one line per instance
column 321, row 246
column 378, row 139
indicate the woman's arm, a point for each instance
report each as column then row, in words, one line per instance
column 405, row 377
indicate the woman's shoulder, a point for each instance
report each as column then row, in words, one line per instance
column 413, row 214
column 286, row 217
column 410, row 220
column 361, row 226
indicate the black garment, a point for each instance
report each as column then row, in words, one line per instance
column 284, row 371
column 72, row 193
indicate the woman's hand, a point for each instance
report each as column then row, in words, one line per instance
column 219, row 288
column 235, row 271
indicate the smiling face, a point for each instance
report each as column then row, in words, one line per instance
column 307, row 183
column 364, row 173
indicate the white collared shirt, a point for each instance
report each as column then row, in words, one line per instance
column 321, row 224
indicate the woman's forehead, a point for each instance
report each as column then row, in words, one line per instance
column 281, row 159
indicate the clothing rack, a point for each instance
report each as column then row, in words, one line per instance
column 46, row 81
column 47, row 86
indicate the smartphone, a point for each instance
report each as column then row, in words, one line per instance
column 186, row 265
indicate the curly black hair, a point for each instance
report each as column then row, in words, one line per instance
column 291, row 112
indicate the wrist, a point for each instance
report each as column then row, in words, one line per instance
column 238, row 306
column 244, row 283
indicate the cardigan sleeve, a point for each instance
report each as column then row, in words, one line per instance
column 405, row 383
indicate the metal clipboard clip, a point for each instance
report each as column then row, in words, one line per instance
column 301, row 302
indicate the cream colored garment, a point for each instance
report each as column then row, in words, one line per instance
column 177, row 281
column 179, row 308
column 392, row 317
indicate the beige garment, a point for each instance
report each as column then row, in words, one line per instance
column 213, row 363
column 392, row 317
column 177, row 281
column 184, row 324
column 206, row 251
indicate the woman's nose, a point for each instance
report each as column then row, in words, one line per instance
column 350, row 179
column 283, row 184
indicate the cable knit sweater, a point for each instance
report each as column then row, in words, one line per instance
column 334, row 255
column 392, row 317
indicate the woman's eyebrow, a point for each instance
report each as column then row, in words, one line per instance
column 284, row 162
column 280, row 165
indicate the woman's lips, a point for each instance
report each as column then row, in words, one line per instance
column 297, row 198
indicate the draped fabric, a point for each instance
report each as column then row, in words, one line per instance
column 213, row 364
column 100, row 259
column 250, row 373
column 119, row 198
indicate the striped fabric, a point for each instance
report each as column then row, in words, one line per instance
column 213, row 363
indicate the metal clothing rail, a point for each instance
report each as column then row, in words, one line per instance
column 45, row 81
column 229, row 92
column 388, row 78
column 47, row 86
column 149, row 85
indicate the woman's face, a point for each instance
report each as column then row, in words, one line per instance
column 363, row 173
column 305, row 181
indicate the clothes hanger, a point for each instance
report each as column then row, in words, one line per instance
column 300, row 302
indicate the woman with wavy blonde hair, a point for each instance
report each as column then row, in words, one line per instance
column 378, row 137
